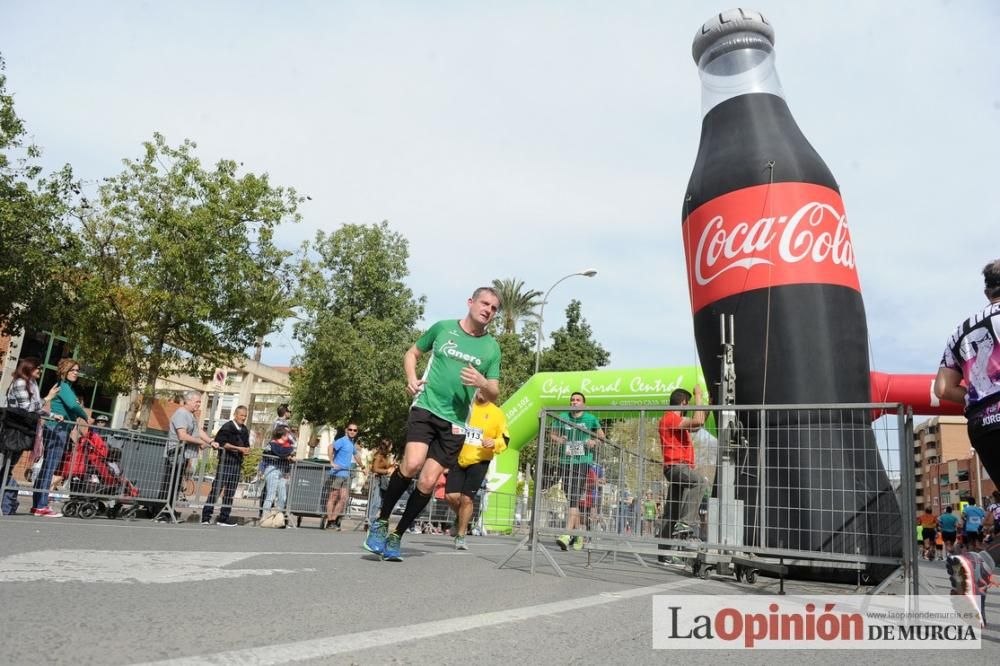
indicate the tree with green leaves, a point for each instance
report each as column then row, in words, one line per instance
column 573, row 347
column 183, row 274
column 516, row 303
column 518, row 352
column 38, row 249
column 358, row 319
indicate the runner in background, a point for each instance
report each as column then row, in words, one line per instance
column 948, row 522
column 928, row 525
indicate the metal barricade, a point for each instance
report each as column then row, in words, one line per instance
column 808, row 490
column 87, row 471
column 498, row 513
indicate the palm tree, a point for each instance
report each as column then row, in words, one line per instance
column 516, row 303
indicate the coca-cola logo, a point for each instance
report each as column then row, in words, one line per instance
column 803, row 238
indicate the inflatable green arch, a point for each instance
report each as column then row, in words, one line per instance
column 646, row 386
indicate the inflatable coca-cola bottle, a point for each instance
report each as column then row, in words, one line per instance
column 766, row 239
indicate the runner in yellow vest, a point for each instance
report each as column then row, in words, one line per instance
column 485, row 436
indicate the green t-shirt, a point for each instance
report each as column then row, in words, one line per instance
column 649, row 510
column 573, row 450
column 451, row 350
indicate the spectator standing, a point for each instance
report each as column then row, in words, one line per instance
column 678, row 464
column 648, row 514
column 577, row 433
column 972, row 354
column 66, row 406
column 342, row 452
column 23, row 393
column 593, row 496
column 284, row 421
column 284, row 414
column 464, row 358
column 485, row 437
column 185, row 439
column 277, row 466
column 233, row 442
column 382, row 467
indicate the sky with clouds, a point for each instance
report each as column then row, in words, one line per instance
column 536, row 139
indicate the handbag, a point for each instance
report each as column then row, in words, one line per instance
column 18, row 428
column 274, row 519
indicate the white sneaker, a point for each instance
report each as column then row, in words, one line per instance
column 460, row 543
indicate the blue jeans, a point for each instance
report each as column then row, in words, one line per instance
column 276, row 485
column 10, row 502
column 376, row 486
column 56, row 436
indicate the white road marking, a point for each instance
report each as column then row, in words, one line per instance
column 150, row 566
column 195, row 527
column 318, row 648
column 125, row 566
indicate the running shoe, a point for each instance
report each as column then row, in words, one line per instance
column 970, row 575
column 46, row 512
column 375, row 541
column 460, row 543
column 391, row 550
column 680, row 527
column 563, row 542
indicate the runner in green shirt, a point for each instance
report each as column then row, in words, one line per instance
column 577, row 433
column 463, row 358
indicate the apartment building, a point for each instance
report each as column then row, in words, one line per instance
column 946, row 467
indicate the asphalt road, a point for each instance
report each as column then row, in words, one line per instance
column 116, row 592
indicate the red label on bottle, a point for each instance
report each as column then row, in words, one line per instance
column 767, row 236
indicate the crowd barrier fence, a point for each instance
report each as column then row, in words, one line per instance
column 820, row 491
column 115, row 473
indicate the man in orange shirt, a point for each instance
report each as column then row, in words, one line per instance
column 928, row 524
column 678, row 463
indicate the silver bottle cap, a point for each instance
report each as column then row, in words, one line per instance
column 744, row 28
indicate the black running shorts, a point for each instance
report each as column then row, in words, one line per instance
column 443, row 439
column 467, row 480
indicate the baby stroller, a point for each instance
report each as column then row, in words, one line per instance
column 95, row 470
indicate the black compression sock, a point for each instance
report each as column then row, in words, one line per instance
column 397, row 486
column 414, row 506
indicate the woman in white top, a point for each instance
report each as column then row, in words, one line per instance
column 23, row 393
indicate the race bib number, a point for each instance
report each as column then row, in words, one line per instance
column 574, row 448
column 474, row 436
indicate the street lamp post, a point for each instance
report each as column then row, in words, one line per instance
column 979, row 478
column 541, row 312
